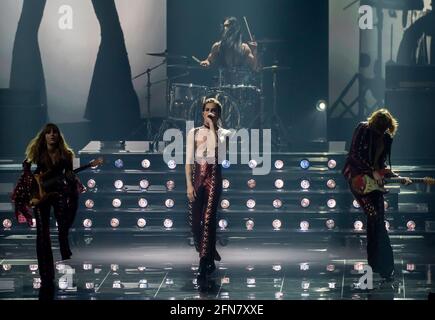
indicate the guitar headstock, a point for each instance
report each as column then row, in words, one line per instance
column 96, row 162
column 429, row 181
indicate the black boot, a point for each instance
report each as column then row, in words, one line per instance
column 202, row 272
column 217, row 257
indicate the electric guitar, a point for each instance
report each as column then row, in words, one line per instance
column 364, row 184
column 40, row 195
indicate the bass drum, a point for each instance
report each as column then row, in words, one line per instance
column 230, row 117
column 182, row 96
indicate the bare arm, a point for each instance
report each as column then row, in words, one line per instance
column 189, row 163
column 251, row 55
column 211, row 59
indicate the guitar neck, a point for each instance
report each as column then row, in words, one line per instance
column 89, row 165
column 414, row 180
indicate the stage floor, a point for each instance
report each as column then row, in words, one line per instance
column 302, row 270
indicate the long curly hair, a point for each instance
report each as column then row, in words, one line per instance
column 37, row 153
column 383, row 121
column 231, row 41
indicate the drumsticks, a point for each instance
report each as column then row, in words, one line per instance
column 196, row 59
column 249, row 30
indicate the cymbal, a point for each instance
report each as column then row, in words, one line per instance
column 184, row 66
column 270, row 41
column 166, row 54
column 275, row 68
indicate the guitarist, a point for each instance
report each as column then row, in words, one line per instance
column 52, row 156
column 368, row 154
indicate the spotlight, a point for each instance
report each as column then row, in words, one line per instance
column 410, row 267
column 386, row 205
column 276, row 267
column 91, row 183
column 141, row 222
column 168, row 223
column 145, row 163
column 170, row 185
column 411, row 225
column 279, row 295
column 305, row 285
column 304, row 266
column 33, row 223
column 116, row 203
column 89, row 204
column 225, row 183
column 387, row 225
column 143, row 203
column 277, row 203
column 358, row 225
column 114, row 223
column 332, row 203
column 331, row 184
column 279, row 184
column 304, row 225
column 117, row 284
column 143, row 284
column 87, row 223
column 223, row 224
column 332, row 164
column 331, row 285
column 276, row 224
column 252, row 164
column 250, row 281
column 321, row 105
column 172, row 164
column 279, row 164
column 305, row 164
column 114, row 267
column 358, row 266
column 89, row 285
column 118, row 184
column 169, row 203
column 330, row 268
column 87, row 266
column 7, row 223
column 305, row 203
column 63, row 283
column 33, row 267
column 252, row 184
column 250, row 225
column 356, row 204
column 330, row 224
column 305, row 184
column 226, row 164
column 36, row 283
column 144, row 184
column 225, row 204
column 119, row 164
column 7, row 267
column 250, row 203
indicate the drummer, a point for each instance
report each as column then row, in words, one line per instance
column 230, row 52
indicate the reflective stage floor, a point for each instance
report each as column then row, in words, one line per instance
column 300, row 268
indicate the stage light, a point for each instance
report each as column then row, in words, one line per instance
column 223, row 224
column 304, row 266
column 276, row 224
column 250, row 281
column 304, row 225
column 305, row 285
column 305, row 184
column 145, row 163
column 172, row 164
column 279, row 183
column 305, row 164
column 330, row 224
column 225, row 204
column 87, row 223
column 252, row 184
column 114, row 267
column 305, row 203
column 321, row 105
column 119, row 164
column 89, row 204
column 168, row 223
column 410, row 267
column 90, row 285
column 387, row 225
column 279, row 164
column 36, row 283
column 114, row 223
column 358, row 225
column 169, row 203
column 117, row 284
column 7, row 223
column 33, row 225
column 33, row 267
column 411, row 225
column 332, row 203
column 226, row 164
column 143, row 284
column 358, row 266
column 250, row 204
column 225, row 183
column 169, row 281
column 7, row 267
column 356, row 204
column 170, row 185
column 91, row 183
column 143, row 203
column 332, row 164
column 144, row 184
column 252, row 164
column 141, row 222
column 331, row 285
column 87, row 266
column 386, row 205
column 276, row 267
column 331, row 184
column 279, row 295
column 277, row 203
column 250, row 225
column 116, row 203
column 118, row 184
column 63, row 283
column 250, row 268
column 330, row 268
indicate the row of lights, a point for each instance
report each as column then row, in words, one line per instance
column 170, row 184
column 225, row 203
column 279, row 164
